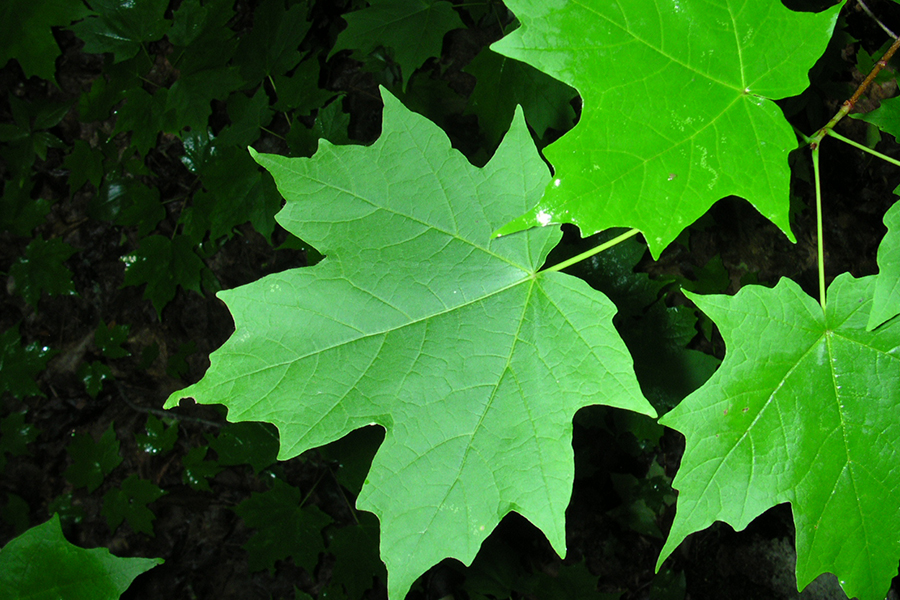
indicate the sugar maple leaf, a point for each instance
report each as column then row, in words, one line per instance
column 472, row 360
column 678, row 108
column 804, row 409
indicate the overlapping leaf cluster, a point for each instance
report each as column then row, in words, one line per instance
column 186, row 82
column 780, row 437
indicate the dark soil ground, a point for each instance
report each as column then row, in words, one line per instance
column 200, row 535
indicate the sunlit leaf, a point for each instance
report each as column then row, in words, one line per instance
column 678, row 107
column 804, row 409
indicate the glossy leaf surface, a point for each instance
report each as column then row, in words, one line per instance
column 472, row 361
column 678, row 109
column 42, row 565
column 15, row 435
column 120, row 26
column 804, row 409
column 21, row 364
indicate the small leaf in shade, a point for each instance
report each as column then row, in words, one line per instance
column 356, row 549
column 42, row 269
column 109, row 340
column 163, row 264
column 247, row 114
column 271, row 48
column 197, row 470
column 502, row 83
column 159, row 438
column 129, row 503
column 119, row 26
column 85, row 165
column 128, row 202
column 92, row 461
column 25, row 28
column 285, row 528
column 93, row 374
column 21, row 364
column 413, row 29
column 247, row 443
column 15, row 435
column 41, row 563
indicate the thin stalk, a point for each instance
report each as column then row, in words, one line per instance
column 875, row 153
column 595, row 250
column 876, row 19
column 820, row 244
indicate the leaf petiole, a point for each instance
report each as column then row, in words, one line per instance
column 595, row 250
column 875, row 153
column 820, row 244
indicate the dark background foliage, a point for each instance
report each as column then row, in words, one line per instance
column 129, row 199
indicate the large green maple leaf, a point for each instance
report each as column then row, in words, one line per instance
column 804, row 409
column 678, row 108
column 472, row 360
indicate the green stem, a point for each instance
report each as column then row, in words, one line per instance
column 270, row 132
column 820, row 245
column 838, row 136
column 595, row 250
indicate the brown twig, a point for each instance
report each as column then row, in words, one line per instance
column 848, row 105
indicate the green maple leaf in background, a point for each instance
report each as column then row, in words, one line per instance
column 129, row 502
column 886, row 117
column 42, row 269
column 413, row 29
column 92, row 461
column 473, row 361
column 285, row 528
column 804, row 409
column 204, row 46
column 120, row 26
column 502, row 83
column 21, row 365
column 41, row 563
column 886, row 302
column 677, row 107
column 25, row 31
column 271, row 48
column 163, row 264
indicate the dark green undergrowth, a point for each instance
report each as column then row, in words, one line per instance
column 129, row 199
